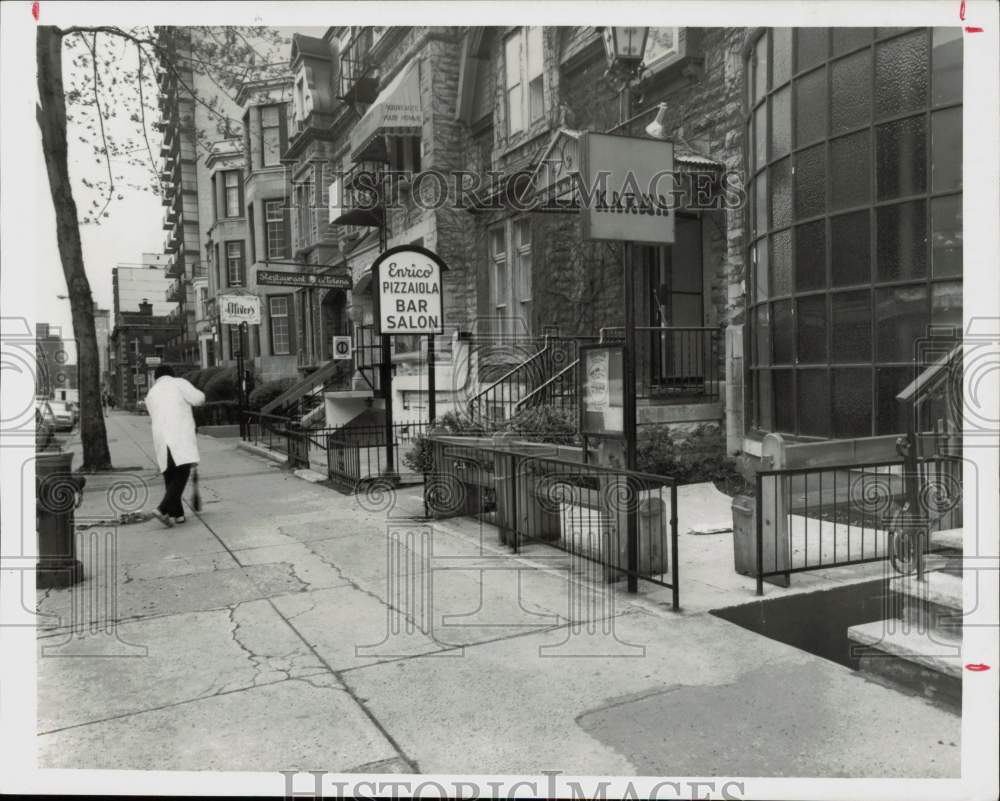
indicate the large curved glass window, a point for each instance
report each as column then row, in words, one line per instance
column 854, row 164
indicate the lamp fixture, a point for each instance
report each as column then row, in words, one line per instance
column 657, row 129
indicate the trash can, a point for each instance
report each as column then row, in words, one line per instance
column 744, row 521
column 57, row 494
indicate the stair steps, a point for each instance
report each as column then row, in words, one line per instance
column 919, row 650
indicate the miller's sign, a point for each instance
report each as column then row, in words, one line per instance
column 630, row 185
column 409, row 291
column 236, row 309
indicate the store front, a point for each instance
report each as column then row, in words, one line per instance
column 854, row 220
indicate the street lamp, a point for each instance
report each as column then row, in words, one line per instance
column 625, row 46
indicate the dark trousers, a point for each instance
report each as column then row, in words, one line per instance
column 175, row 478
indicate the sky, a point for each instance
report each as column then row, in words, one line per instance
column 134, row 225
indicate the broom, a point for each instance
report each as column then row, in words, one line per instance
column 196, row 496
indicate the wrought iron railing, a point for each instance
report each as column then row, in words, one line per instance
column 358, row 82
column 355, row 454
column 682, row 363
column 622, row 520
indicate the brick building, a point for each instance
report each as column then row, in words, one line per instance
column 137, row 336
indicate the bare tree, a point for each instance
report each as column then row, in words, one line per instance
column 112, row 79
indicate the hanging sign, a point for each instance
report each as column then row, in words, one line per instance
column 409, row 291
column 322, row 280
column 629, row 182
column 602, row 400
column 236, row 309
column 341, row 348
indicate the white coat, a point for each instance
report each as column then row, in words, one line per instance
column 169, row 403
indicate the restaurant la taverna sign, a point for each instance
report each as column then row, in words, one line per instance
column 409, row 293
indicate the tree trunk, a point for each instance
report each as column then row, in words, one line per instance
column 51, row 117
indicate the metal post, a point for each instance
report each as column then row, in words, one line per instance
column 628, row 400
column 431, row 381
column 759, row 532
column 240, row 377
column 674, row 567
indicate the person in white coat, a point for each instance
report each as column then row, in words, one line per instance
column 169, row 403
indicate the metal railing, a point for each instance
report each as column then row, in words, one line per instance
column 355, row 454
column 625, row 521
column 267, row 430
column 682, row 363
column 813, row 518
column 357, row 68
column 541, row 359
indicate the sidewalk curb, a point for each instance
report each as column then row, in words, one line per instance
column 257, row 450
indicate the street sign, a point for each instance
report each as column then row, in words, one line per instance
column 629, row 181
column 236, row 309
column 321, row 280
column 409, row 290
column 153, row 361
column 341, row 348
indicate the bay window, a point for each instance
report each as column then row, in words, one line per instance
column 235, row 270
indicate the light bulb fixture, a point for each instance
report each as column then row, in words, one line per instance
column 657, row 129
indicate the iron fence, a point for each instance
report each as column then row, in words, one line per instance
column 625, row 521
column 812, row 518
column 357, row 453
column 268, row 430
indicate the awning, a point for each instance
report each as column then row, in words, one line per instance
column 395, row 112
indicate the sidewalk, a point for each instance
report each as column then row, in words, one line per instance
column 269, row 633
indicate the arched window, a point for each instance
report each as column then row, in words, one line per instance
column 854, row 219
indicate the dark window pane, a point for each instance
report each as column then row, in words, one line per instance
column 890, row 413
column 814, row 403
column 761, row 271
column 782, row 333
column 784, row 401
column 810, row 256
column 850, row 170
column 781, row 264
column 947, row 65
column 901, row 74
column 901, row 321
column 850, row 248
column 763, row 338
column 851, row 399
column 760, row 68
column 901, row 241
column 946, row 149
column 901, row 153
column 812, row 329
column 845, row 39
column 781, row 55
column 852, row 327
column 764, row 403
column 850, row 103
column 781, row 193
column 810, row 182
column 760, row 134
column 761, row 202
column 810, row 107
column 946, row 244
column 946, row 304
column 810, row 47
column 781, row 123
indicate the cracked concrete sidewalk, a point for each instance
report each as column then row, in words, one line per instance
column 282, row 629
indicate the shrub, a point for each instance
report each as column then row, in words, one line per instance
column 201, row 377
column 545, row 424
column 217, row 413
column 268, row 391
column 420, row 457
column 690, row 457
column 222, row 386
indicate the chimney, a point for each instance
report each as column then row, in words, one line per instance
column 145, row 307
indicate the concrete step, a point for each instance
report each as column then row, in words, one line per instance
column 910, row 660
column 934, row 605
column 950, row 539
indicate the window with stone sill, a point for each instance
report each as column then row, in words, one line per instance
column 853, row 147
column 524, row 81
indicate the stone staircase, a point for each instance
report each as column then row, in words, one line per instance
column 918, row 649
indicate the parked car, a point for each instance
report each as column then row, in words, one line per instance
column 65, row 419
column 43, row 429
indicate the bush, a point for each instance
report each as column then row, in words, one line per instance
column 222, row 386
column 690, row 457
column 201, row 377
column 545, row 424
column 268, row 391
column 420, row 457
column 219, row 413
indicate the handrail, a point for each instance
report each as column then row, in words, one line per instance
column 300, row 388
column 571, row 366
column 931, row 375
column 511, row 372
